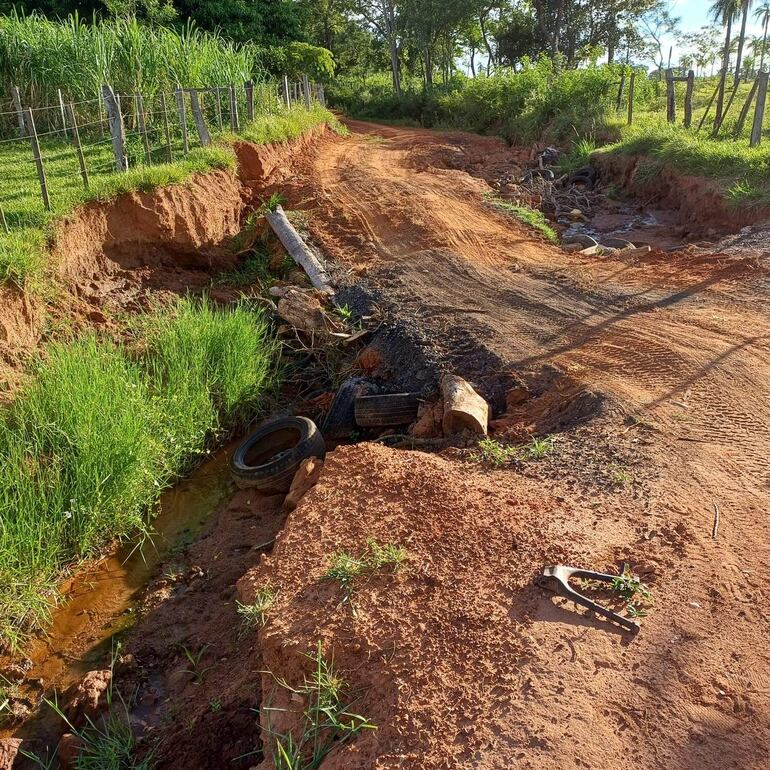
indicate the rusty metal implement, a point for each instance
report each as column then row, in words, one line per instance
column 556, row 578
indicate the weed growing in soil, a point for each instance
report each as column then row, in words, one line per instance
column 632, row 591
column 494, row 453
column 345, row 568
column 530, row 217
column 197, row 670
column 254, row 615
column 326, row 722
column 100, row 430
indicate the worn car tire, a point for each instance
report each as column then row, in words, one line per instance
column 340, row 420
column 268, row 459
column 386, row 411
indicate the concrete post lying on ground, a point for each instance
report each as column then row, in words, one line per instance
column 299, row 252
column 464, row 409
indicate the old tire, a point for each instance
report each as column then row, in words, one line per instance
column 340, row 420
column 268, row 459
column 386, row 411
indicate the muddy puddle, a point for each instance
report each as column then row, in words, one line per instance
column 101, row 599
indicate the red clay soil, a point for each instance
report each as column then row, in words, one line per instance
column 109, row 256
column 459, row 659
column 680, row 342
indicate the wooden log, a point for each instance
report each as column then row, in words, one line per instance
column 688, row 99
column 745, row 109
column 759, row 112
column 30, row 127
column 298, row 250
column 78, row 147
column 631, row 87
column 16, row 96
column 182, row 119
column 670, row 97
column 166, row 128
column 142, row 125
column 117, row 129
column 200, row 122
column 249, row 86
column 464, row 409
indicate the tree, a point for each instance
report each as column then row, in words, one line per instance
column 724, row 11
column 658, row 23
column 745, row 6
column 762, row 14
column 385, row 19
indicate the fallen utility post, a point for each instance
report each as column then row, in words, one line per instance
column 298, row 250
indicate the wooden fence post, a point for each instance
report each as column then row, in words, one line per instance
column 235, row 125
column 688, row 99
column 78, row 148
column 322, row 95
column 200, row 122
column 166, row 129
column 141, row 120
column 286, row 93
column 249, row 86
column 30, row 125
column 708, row 109
column 306, row 91
column 745, row 109
column 631, row 87
column 218, row 107
column 759, row 113
column 670, row 97
column 63, row 113
column 182, row 119
column 117, row 129
column 19, row 112
column 619, row 101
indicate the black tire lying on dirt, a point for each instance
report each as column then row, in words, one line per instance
column 268, row 459
column 587, row 176
column 386, row 411
column 340, row 420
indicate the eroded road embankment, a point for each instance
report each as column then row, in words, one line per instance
column 680, row 343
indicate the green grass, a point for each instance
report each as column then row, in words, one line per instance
column 497, row 455
column 528, row 216
column 327, row 719
column 346, row 569
column 88, row 445
column 24, row 251
column 254, row 615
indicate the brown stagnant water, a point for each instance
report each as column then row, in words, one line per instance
column 99, row 599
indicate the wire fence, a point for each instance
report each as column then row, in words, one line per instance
column 114, row 132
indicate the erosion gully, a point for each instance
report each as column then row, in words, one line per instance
column 99, row 601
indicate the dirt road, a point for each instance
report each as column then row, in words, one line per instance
column 679, row 343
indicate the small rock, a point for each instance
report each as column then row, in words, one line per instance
column 370, row 359
column 694, row 605
column 578, row 216
column 9, row 749
column 303, row 310
column 516, row 396
column 304, row 480
column 68, row 750
column 570, row 248
column 428, row 424
column 88, row 698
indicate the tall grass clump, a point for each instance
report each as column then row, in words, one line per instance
column 87, row 447
column 41, row 56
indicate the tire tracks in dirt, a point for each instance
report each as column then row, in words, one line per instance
column 682, row 342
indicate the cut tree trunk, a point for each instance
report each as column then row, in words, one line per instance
column 464, row 409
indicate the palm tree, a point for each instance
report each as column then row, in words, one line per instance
column 724, row 11
column 745, row 6
column 762, row 15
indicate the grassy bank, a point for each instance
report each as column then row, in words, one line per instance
column 23, row 252
column 87, row 447
column 578, row 110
